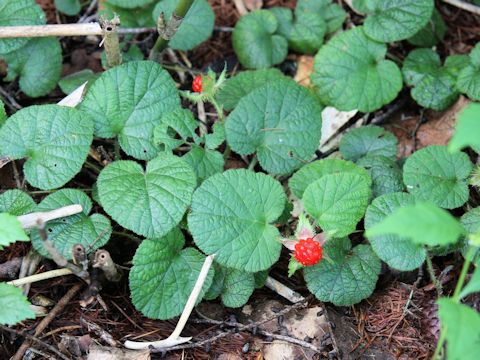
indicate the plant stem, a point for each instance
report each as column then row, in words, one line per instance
column 218, row 109
column 456, row 297
column 252, row 164
column 227, row 152
column 90, row 166
column 116, row 149
column 111, row 42
column 434, row 279
column 167, row 31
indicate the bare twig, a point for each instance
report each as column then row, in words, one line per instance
column 34, row 339
column 48, row 319
column 42, row 276
column 283, row 290
column 175, row 338
column 62, row 30
column 240, row 5
column 103, row 334
column 90, row 9
column 10, row 99
column 31, row 220
column 464, row 6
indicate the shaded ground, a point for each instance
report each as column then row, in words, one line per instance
column 398, row 321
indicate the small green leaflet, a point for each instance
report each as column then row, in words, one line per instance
column 315, row 170
column 14, row 306
column 54, row 139
column 398, row 252
column 18, row 12
column 231, row 216
column 423, row 223
column 385, row 173
column 332, row 13
column 11, row 230
column 348, row 278
column 281, row 122
column 467, row 129
column 255, row 42
column 175, row 129
column 304, row 33
column 338, row 201
column 468, row 81
column 368, row 141
column 16, row 202
column 234, row 286
column 130, row 3
column 196, row 26
column 128, row 101
column 433, row 85
column 432, row 33
column 162, row 271
column 204, row 162
column 473, row 285
column 38, row 64
column 471, row 220
column 462, row 325
column 394, row 20
column 71, row 82
column 433, row 174
column 149, row 202
column 351, row 72
column 244, row 83
column 92, row 231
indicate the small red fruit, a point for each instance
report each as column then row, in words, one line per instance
column 197, row 84
column 308, row 252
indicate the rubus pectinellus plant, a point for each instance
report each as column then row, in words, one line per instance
column 164, row 179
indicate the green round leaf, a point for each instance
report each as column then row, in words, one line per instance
column 432, row 33
column 456, row 63
column 128, row 101
column 368, row 141
column 435, row 175
column 150, row 202
column 15, row 13
column 398, row 252
column 54, row 139
column 351, row 73
column 38, row 64
column 348, row 278
column 11, row 230
column 163, row 276
column 315, row 170
column 468, row 81
column 255, row 42
column 175, row 129
column 394, row 20
column 281, row 122
column 196, row 27
column 16, row 202
column 385, row 173
column 231, row 216
column 90, row 231
column 68, row 7
column 244, row 83
column 204, row 162
column 14, row 306
column 129, row 4
column 332, row 14
column 71, row 82
column 338, row 201
column 471, row 220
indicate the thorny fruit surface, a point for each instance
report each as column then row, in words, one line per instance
column 308, row 252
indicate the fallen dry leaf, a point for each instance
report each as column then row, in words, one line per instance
column 436, row 131
column 332, row 120
column 304, row 70
column 253, row 4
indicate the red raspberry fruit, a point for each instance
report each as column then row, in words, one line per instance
column 197, row 84
column 308, row 252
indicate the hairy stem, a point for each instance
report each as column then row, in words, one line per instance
column 434, row 279
column 167, row 31
column 111, row 42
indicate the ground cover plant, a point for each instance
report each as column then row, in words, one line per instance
column 178, row 180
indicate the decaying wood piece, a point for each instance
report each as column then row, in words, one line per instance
column 283, row 290
column 108, row 353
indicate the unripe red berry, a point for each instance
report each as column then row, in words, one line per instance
column 197, row 84
column 308, row 252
